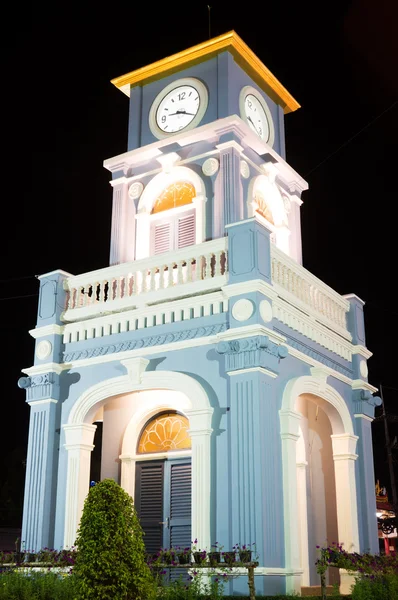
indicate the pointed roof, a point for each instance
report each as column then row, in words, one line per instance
column 230, row 42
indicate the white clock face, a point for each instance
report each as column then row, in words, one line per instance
column 180, row 106
column 256, row 113
column 256, row 117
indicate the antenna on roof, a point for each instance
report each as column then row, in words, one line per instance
column 208, row 10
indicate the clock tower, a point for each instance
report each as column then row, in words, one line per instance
column 225, row 384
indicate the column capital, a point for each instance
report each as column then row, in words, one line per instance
column 344, row 446
column 290, row 422
column 79, row 436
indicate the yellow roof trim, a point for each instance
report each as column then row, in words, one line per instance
column 228, row 41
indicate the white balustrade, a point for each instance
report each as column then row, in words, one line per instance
column 309, row 292
column 119, row 287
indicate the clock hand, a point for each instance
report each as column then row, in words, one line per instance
column 181, row 112
column 249, row 119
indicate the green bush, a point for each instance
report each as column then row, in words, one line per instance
column 31, row 585
column 110, row 559
column 379, row 587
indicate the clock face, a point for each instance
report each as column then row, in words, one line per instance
column 179, row 106
column 256, row 117
column 256, row 113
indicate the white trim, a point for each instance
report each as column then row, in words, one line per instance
column 46, row 401
column 362, row 351
column 360, row 384
column 199, row 412
column 56, row 272
column 230, row 144
column 365, row 417
column 253, row 370
column 248, row 330
column 45, row 368
column 46, row 330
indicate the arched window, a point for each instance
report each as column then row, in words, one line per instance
column 177, row 194
column 261, row 206
column 166, row 431
column 176, row 229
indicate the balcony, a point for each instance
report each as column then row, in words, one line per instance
column 187, row 283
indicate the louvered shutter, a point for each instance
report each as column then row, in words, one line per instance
column 186, row 230
column 149, row 503
column 180, row 504
column 161, row 237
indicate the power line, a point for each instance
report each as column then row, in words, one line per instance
column 16, row 297
column 351, row 138
column 18, row 278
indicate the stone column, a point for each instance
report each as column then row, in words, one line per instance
column 79, row 444
column 301, row 468
column 127, row 474
column 347, row 515
column 41, row 475
column 200, row 432
column 289, row 427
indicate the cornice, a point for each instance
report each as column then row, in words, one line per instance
column 239, row 333
column 40, row 332
column 210, row 133
column 229, row 41
column 360, row 384
column 45, row 368
column 362, row 351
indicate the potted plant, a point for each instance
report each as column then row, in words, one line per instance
column 167, row 556
column 229, row 557
column 199, row 556
column 245, row 552
column 184, row 555
column 215, row 554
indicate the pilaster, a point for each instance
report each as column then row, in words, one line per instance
column 366, row 489
column 41, row 476
column 123, row 225
column 230, row 189
column 52, row 298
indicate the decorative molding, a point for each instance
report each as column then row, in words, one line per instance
column 150, row 341
column 244, row 169
column 362, row 351
column 43, row 349
column 249, row 330
column 46, row 330
column 253, row 370
column 247, row 353
column 135, row 368
column 316, row 355
column 266, row 311
column 135, row 190
column 243, row 309
column 360, row 384
column 363, row 368
column 210, row 166
column 40, row 386
column 45, row 368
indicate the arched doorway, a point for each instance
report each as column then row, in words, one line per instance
column 188, row 398
column 319, row 486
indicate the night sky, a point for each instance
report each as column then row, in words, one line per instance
column 62, row 118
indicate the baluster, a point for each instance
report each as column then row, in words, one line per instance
column 207, row 265
column 170, row 269
column 190, row 269
column 161, row 277
column 225, row 262
column 180, row 274
column 71, row 298
column 217, row 265
column 149, row 281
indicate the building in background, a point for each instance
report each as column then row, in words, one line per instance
column 206, row 370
